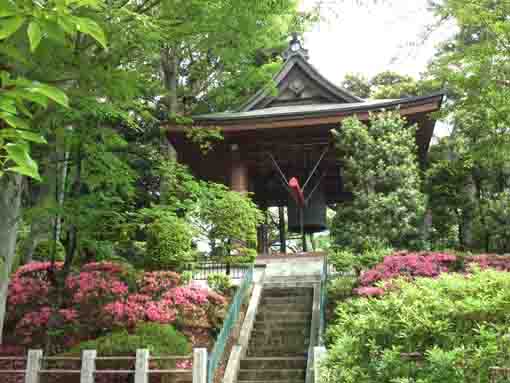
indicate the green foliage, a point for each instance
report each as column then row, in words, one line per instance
column 169, row 241
column 381, row 170
column 340, row 288
column 186, row 277
column 217, row 213
column 446, row 183
column 43, row 251
column 497, row 222
column 244, row 255
column 346, row 261
column 388, row 85
column 160, row 339
column 456, row 325
column 219, row 282
column 21, row 97
column 226, row 215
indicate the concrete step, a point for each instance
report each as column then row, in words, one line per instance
column 271, row 381
column 261, row 333
column 281, row 324
column 271, row 374
column 269, row 352
column 291, row 316
column 300, row 299
column 298, row 345
column 285, row 307
column 286, row 291
column 302, row 283
column 273, row 363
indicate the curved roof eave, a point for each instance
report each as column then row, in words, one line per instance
column 318, row 110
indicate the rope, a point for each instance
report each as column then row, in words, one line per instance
column 315, row 168
column 284, row 179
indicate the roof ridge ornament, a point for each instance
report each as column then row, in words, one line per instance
column 295, row 48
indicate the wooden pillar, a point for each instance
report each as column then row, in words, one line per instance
column 239, row 180
column 283, row 234
column 262, row 235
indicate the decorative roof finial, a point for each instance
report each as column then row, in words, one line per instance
column 295, row 48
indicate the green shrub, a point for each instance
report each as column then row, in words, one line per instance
column 341, row 288
column 346, row 261
column 229, row 216
column 43, row 251
column 160, row 339
column 219, row 282
column 456, row 325
column 380, row 168
column 169, row 243
column 186, row 277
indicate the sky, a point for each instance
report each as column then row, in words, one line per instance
column 368, row 39
column 373, row 37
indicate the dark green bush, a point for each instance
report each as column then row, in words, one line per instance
column 160, row 339
column 169, row 243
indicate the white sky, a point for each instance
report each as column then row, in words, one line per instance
column 371, row 38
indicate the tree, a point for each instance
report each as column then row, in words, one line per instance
column 472, row 65
column 23, row 28
column 103, row 135
column 389, row 85
column 381, row 170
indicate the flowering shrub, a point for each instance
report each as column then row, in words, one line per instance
column 98, row 300
column 405, row 264
column 484, row 261
column 456, row 326
column 158, row 282
column 409, row 265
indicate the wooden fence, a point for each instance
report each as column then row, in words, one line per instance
column 35, row 362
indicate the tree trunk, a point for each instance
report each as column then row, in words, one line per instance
column 10, row 206
column 72, row 242
column 169, row 67
column 50, row 193
column 468, row 214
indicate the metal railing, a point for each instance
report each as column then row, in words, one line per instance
column 323, row 299
column 36, row 365
column 228, row 324
column 202, row 270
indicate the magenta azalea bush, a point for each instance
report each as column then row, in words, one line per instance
column 410, row 265
column 101, row 298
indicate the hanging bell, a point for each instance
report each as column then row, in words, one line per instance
column 314, row 214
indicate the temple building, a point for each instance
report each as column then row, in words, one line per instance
column 278, row 146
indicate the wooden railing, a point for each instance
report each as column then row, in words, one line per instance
column 36, row 362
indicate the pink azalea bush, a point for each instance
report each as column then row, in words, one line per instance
column 101, row 298
column 407, row 264
column 410, row 265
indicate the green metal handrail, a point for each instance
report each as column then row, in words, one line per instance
column 323, row 301
column 231, row 318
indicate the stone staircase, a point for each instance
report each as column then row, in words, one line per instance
column 277, row 352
